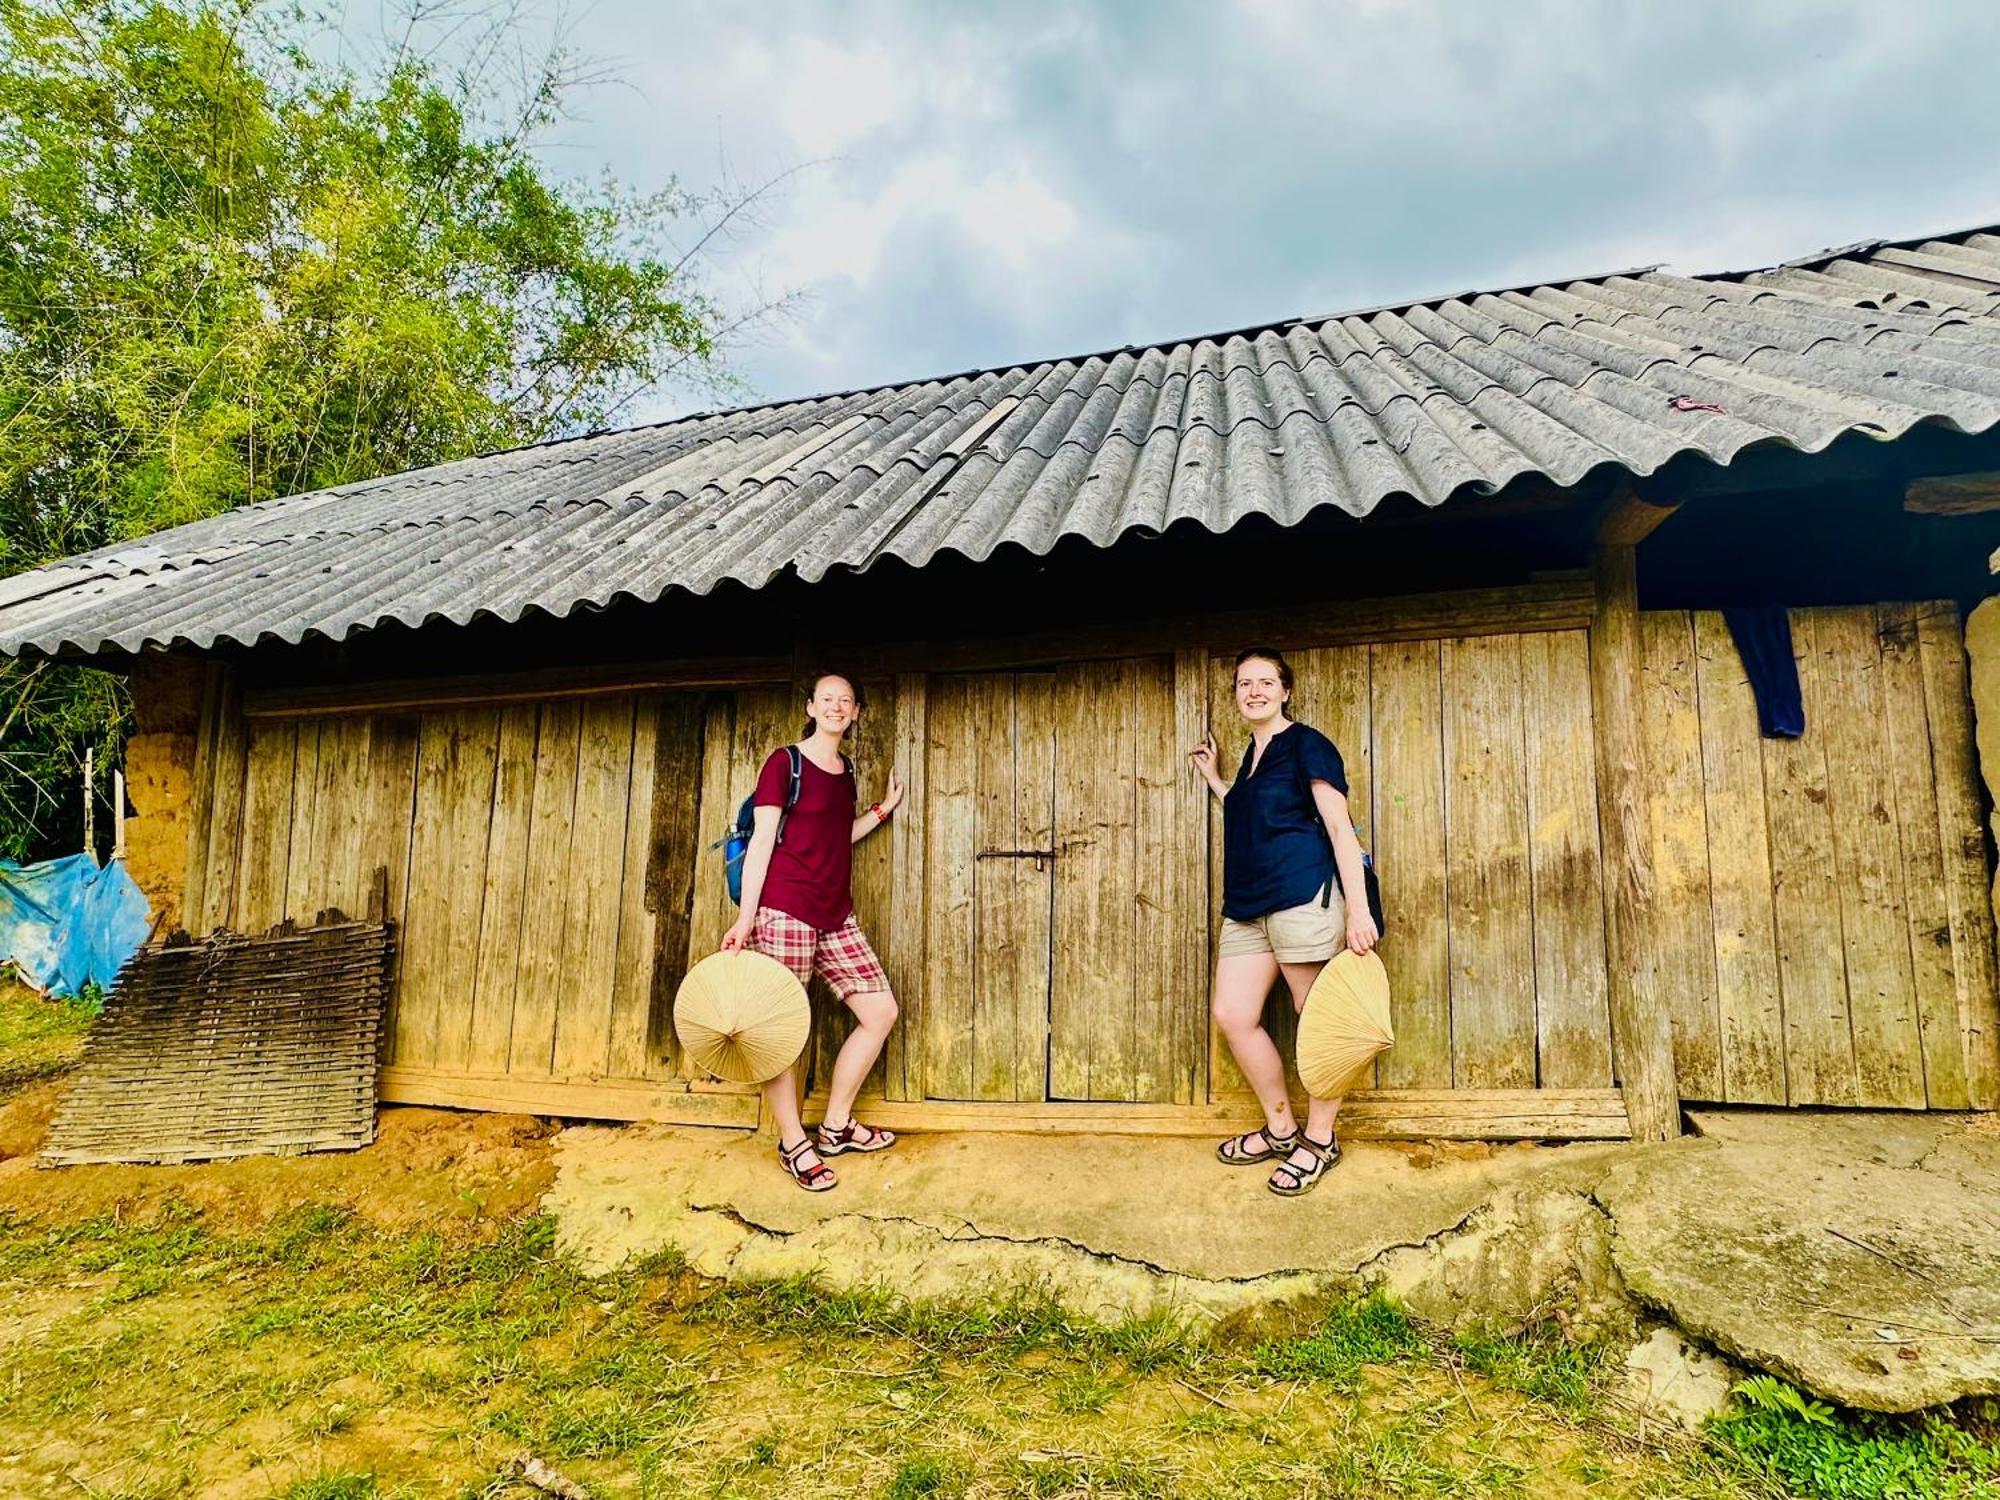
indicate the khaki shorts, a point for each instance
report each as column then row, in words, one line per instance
column 1308, row 934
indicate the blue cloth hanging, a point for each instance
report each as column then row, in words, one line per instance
column 65, row 923
column 1763, row 635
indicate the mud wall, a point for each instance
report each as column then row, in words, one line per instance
column 159, row 779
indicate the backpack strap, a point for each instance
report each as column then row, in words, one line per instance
column 797, row 761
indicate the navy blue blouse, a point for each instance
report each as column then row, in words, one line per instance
column 1275, row 852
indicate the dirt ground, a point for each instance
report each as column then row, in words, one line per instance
column 401, row 1321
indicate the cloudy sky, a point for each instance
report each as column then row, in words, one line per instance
column 984, row 185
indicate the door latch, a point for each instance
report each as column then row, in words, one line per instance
column 1037, row 855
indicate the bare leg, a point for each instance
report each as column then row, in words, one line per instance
column 781, row 1098
column 1242, row 980
column 1320, row 1113
column 874, row 1013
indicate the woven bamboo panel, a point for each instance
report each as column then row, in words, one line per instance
column 232, row 1046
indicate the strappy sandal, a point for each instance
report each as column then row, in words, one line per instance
column 1326, row 1156
column 1242, row 1156
column 854, row 1136
column 816, row 1178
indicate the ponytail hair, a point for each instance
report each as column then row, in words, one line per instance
column 1275, row 658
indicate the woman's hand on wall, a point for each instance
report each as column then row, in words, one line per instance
column 1203, row 757
column 893, row 797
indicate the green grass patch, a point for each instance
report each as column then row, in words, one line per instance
column 1812, row 1450
column 40, row 1038
column 1541, row 1364
column 1355, row 1335
column 927, row 1476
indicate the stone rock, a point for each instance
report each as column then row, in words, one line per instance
column 1667, row 1378
column 1844, row 1253
column 1535, row 1252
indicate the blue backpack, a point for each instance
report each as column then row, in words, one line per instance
column 736, row 843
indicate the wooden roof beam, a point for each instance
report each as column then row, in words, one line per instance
column 1629, row 517
column 1953, row 494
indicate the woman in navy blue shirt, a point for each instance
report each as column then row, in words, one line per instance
column 1288, row 852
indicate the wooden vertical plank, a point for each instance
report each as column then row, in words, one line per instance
column 497, row 955
column 1680, row 960
column 950, row 933
column 675, row 848
column 630, row 1054
column 711, row 911
column 1408, row 760
column 538, row 975
column 201, row 799
column 229, row 757
column 596, row 866
column 1962, row 840
column 1868, row 864
column 387, row 838
column 1819, row 1047
column 993, row 1016
column 903, row 1057
column 468, row 820
column 1189, row 904
column 1572, row 1021
column 1642, row 1043
column 1909, row 770
column 1340, row 710
column 426, row 941
column 345, row 784
column 1492, row 936
column 1156, row 774
column 269, row 763
column 1748, row 998
column 301, row 897
column 1034, row 828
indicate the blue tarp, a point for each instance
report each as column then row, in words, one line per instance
column 66, row 923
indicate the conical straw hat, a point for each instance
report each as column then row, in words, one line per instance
column 742, row 1016
column 1345, row 1025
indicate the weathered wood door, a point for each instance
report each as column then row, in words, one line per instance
column 1052, row 909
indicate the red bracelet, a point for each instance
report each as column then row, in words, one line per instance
column 876, row 808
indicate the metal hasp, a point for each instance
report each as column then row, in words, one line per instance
column 1037, row 855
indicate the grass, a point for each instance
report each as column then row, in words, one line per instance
column 40, row 1038
column 320, row 1358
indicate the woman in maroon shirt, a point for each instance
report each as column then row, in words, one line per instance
column 798, row 906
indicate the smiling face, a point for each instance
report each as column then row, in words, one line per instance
column 1261, row 694
column 833, row 706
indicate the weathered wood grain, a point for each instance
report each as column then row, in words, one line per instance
column 1962, row 839
column 902, row 1059
column 1748, row 998
column 1488, row 890
column 951, row 932
column 539, row 977
column 265, row 852
column 596, row 868
column 1642, row 1041
column 1572, row 1020
column 1034, row 777
column 675, row 859
column 1190, row 898
column 1881, row 995
column 1819, row 1045
column 1908, row 769
column 1409, row 834
column 1679, row 976
column 467, row 816
column 1156, row 923
column 227, row 768
column 630, row 1053
column 497, row 955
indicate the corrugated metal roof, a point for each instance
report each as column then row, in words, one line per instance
column 1433, row 400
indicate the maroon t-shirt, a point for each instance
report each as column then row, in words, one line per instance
column 812, row 865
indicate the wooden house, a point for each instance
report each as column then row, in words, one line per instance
column 1494, row 531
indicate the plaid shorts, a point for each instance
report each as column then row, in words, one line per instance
column 842, row 957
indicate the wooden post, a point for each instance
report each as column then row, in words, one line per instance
column 117, row 814
column 904, row 1065
column 89, row 802
column 1641, row 1033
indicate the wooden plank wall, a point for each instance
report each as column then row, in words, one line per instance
column 1472, row 777
column 1817, row 936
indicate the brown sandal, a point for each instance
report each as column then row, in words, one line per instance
column 1325, row 1157
column 854, row 1136
column 1236, row 1151
column 816, row 1178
